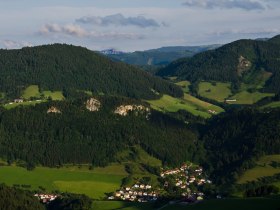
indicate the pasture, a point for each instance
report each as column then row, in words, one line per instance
column 94, row 183
column 54, row 95
column 262, row 169
column 245, row 97
column 31, row 91
column 189, row 103
column 217, row 91
column 26, row 103
column 275, row 104
column 184, row 85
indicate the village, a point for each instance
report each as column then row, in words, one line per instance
column 46, row 198
column 186, row 180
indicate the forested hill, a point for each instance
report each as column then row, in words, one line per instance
column 239, row 61
column 76, row 135
column 234, row 140
column 65, row 67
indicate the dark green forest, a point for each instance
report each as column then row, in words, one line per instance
column 222, row 64
column 235, row 140
column 16, row 199
column 67, row 68
column 79, row 136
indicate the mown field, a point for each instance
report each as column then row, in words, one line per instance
column 262, row 169
column 32, row 96
column 246, row 97
column 26, row 103
column 185, row 85
column 275, row 104
column 79, row 179
column 33, row 91
column 217, row 91
column 94, row 183
column 189, row 103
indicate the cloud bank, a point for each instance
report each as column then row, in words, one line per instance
column 10, row 44
column 77, row 31
column 226, row 4
column 119, row 20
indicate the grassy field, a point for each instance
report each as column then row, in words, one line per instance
column 185, row 85
column 262, row 169
column 93, row 183
column 135, row 158
column 218, row 92
column 245, row 97
column 26, row 103
column 54, row 95
column 31, row 91
column 79, row 179
column 275, row 104
column 189, row 103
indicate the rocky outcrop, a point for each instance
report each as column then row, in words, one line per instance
column 53, row 109
column 93, row 105
column 243, row 65
column 123, row 110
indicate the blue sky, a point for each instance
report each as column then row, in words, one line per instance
column 131, row 25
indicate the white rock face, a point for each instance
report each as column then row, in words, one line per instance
column 93, row 105
column 123, row 110
column 53, row 109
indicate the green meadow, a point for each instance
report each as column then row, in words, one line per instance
column 246, row 97
column 262, row 169
column 94, row 183
column 185, row 85
column 79, row 178
column 217, row 91
column 189, row 103
column 26, row 103
column 54, row 95
column 275, row 104
column 33, row 91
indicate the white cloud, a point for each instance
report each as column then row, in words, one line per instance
column 226, row 4
column 70, row 29
column 10, row 44
column 119, row 20
column 78, row 31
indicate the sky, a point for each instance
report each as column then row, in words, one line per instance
column 131, row 25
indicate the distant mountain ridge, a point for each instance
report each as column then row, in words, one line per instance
column 160, row 56
column 239, row 61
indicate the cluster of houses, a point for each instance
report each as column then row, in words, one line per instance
column 46, row 198
column 137, row 193
column 187, row 178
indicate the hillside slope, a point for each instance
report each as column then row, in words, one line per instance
column 65, row 67
column 240, row 61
